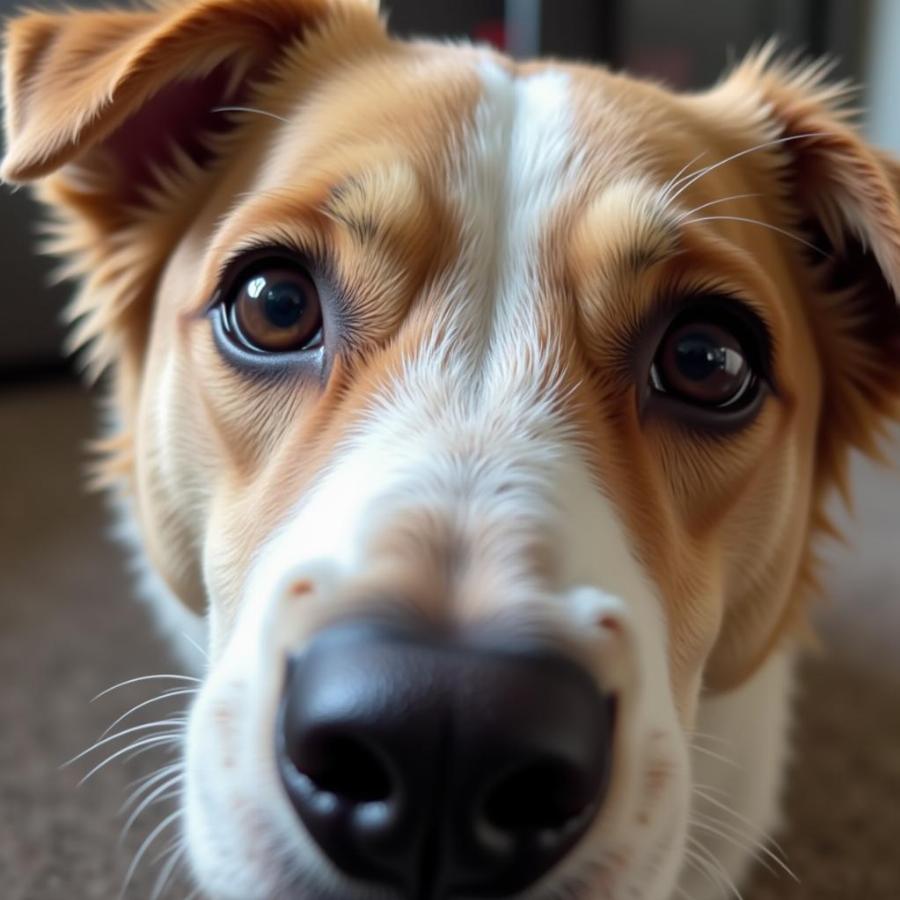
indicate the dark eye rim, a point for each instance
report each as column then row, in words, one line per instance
column 240, row 352
column 727, row 312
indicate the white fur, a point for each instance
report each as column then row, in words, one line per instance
column 739, row 761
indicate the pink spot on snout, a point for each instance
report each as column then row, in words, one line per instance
column 609, row 623
column 300, row 588
column 657, row 778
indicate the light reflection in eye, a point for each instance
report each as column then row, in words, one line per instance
column 732, row 361
column 255, row 286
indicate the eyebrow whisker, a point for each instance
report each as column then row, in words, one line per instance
column 673, row 181
column 767, row 225
column 251, row 109
column 680, row 218
column 685, row 181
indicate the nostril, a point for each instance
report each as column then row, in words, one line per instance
column 343, row 765
column 545, row 795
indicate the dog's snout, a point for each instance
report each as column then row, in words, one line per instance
column 439, row 766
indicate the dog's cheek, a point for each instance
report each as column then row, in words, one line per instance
column 174, row 468
column 189, row 455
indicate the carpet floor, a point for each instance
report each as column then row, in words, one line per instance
column 69, row 629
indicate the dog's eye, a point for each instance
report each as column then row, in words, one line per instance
column 274, row 308
column 705, row 364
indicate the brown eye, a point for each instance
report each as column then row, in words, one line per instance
column 704, row 364
column 275, row 308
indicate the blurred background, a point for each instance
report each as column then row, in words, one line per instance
column 68, row 627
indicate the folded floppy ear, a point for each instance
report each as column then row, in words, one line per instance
column 118, row 115
column 843, row 196
column 139, row 80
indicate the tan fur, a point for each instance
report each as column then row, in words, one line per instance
column 359, row 168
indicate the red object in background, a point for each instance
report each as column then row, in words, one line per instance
column 491, row 31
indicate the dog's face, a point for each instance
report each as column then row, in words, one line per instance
column 486, row 408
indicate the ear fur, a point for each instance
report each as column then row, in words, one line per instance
column 844, row 196
column 116, row 114
column 73, row 78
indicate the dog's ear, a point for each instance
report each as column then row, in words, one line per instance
column 139, row 82
column 843, row 196
column 118, row 116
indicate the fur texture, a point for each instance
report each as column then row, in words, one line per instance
column 498, row 241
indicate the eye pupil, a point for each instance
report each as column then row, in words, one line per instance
column 284, row 304
column 698, row 358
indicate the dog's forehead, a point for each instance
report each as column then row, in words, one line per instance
column 507, row 158
column 471, row 121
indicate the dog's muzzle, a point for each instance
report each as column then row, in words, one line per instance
column 439, row 766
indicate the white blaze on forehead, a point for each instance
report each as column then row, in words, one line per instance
column 516, row 166
column 518, row 156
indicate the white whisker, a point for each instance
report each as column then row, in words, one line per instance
column 148, row 841
column 713, row 789
column 703, row 866
column 147, row 782
column 173, row 845
column 692, row 177
column 717, row 756
column 680, row 218
column 166, row 873
column 673, row 181
column 119, row 734
column 768, row 225
column 195, row 645
column 176, row 741
column 741, row 841
column 177, row 692
column 162, row 792
column 146, row 743
column 701, row 790
column 713, row 860
column 122, row 684
column 712, row 738
column 143, row 779
column 251, row 109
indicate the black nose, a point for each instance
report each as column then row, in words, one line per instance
column 441, row 767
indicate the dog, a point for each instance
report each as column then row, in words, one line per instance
column 479, row 416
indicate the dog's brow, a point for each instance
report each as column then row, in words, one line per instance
column 348, row 206
column 628, row 226
column 373, row 202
